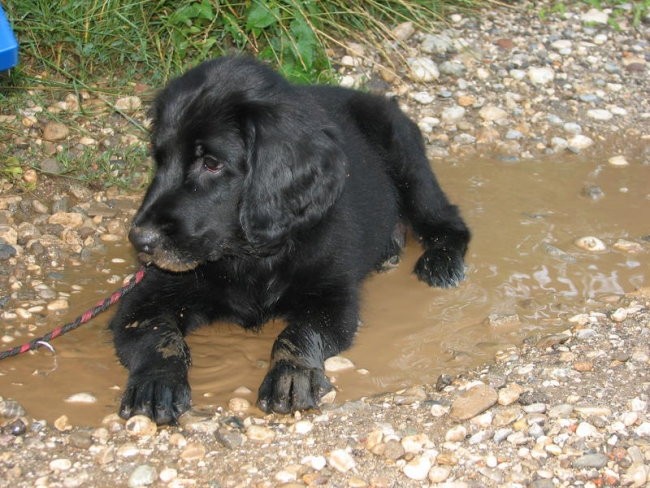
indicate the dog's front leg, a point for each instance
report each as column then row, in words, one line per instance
column 148, row 336
column 296, row 379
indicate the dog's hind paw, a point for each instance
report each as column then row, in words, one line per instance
column 289, row 388
column 441, row 268
column 162, row 397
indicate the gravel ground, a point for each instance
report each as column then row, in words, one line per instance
column 564, row 410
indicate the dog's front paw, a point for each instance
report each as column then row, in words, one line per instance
column 161, row 396
column 442, row 268
column 289, row 388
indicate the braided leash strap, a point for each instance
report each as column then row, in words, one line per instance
column 82, row 319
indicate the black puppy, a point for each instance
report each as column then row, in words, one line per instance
column 271, row 200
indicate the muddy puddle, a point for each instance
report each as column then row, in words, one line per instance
column 525, row 217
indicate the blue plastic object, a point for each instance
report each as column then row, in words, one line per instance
column 8, row 44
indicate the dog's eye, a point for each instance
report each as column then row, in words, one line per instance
column 212, row 164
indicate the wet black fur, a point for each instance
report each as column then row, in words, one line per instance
column 271, row 200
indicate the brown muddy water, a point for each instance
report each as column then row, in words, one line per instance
column 525, row 217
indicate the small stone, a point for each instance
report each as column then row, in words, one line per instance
column 473, row 402
column 52, row 166
column 422, row 97
column 600, row 114
column 60, row 464
column 302, row 427
column 66, row 219
column 453, row 114
column 498, row 320
column 510, row 394
column 393, row 450
column 418, row 468
column 595, row 461
column 6, row 251
column 9, row 235
column 594, row 192
column 341, row 460
column 466, row 100
column 456, row 434
column 438, row 474
column 561, row 45
column 53, row 131
column 591, row 244
column 583, row 366
column 167, row 474
column 453, row 68
column 30, row 177
column 128, row 104
column 423, row 69
column 436, row 44
column 62, row 423
column 335, row 364
column 595, row 16
column 141, row 426
column 414, row 443
column 81, row 398
column 143, row 475
column 128, row 450
column 81, row 439
column 260, row 433
column 585, row 429
column 540, row 76
column 505, row 43
column 228, row 438
column 194, row 451
column 572, row 128
column 238, row 404
column 403, row 31
column 630, row 247
column 58, row 305
column 315, row 462
column 492, row 113
column 618, row 161
column 579, row 142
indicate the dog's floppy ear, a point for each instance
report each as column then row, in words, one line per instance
column 296, row 173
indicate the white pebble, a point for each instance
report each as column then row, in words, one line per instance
column 579, row 142
column 422, row 97
column 618, row 161
column 60, row 464
column 260, row 433
column 414, row 443
column 585, row 429
column 418, row 468
column 58, row 305
column 540, row 76
column 599, row 114
column 141, row 426
column 643, row 430
column 341, row 460
column 81, row 398
column 438, row 474
column 315, row 462
column 338, row 363
column 302, row 427
column 423, row 69
column 168, row 474
column 638, row 405
column 591, row 244
column 456, row 434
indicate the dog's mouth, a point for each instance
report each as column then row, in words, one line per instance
column 168, row 261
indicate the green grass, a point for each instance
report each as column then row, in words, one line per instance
column 151, row 40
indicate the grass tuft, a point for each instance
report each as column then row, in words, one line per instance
column 152, row 40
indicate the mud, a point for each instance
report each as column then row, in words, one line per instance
column 524, row 271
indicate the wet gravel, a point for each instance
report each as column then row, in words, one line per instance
column 569, row 409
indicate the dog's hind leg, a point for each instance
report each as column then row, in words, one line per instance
column 435, row 221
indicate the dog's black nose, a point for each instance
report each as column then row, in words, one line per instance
column 144, row 239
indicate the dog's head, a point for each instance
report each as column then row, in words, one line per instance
column 244, row 160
